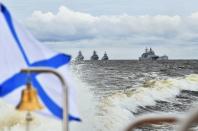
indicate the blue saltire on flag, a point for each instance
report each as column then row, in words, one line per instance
column 19, row 49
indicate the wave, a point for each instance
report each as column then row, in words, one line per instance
column 86, row 103
column 117, row 110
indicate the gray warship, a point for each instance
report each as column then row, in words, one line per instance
column 80, row 57
column 105, row 57
column 149, row 54
column 94, row 56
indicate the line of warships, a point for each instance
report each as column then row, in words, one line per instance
column 80, row 57
column 149, row 54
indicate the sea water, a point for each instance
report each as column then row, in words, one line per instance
column 110, row 94
column 121, row 90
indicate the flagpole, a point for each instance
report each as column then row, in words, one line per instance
column 64, row 87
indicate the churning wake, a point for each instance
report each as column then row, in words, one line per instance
column 109, row 103
column 116, row 108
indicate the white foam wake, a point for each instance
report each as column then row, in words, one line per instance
column 112, row 113
column 117, row 109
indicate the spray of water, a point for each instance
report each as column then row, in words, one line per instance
column 117, row 109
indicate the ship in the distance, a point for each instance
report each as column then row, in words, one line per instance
column 94, row 56
column 149, row 54
column 105, row 57
column 80, row 57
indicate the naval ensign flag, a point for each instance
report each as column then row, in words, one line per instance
column 19, row 49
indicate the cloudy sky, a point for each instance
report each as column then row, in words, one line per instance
column 123, row 28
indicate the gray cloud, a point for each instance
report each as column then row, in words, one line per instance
column 81, row 30
column 71, row 25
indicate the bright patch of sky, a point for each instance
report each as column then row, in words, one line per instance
column 123, row 28
column 24, row 8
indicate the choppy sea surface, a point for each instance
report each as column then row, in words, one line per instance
column 121, row 90
column 110, row 94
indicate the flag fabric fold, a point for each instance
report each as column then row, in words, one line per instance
column 19, row 49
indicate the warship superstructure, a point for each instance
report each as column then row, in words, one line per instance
column 94, row 56
column 105, row 57
column 149, row 54
column 80, row 57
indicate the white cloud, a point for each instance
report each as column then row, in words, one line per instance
column 71, row 25
column 84, row 30
column 65, row 25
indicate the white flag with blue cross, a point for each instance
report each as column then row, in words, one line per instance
column 19, row 49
